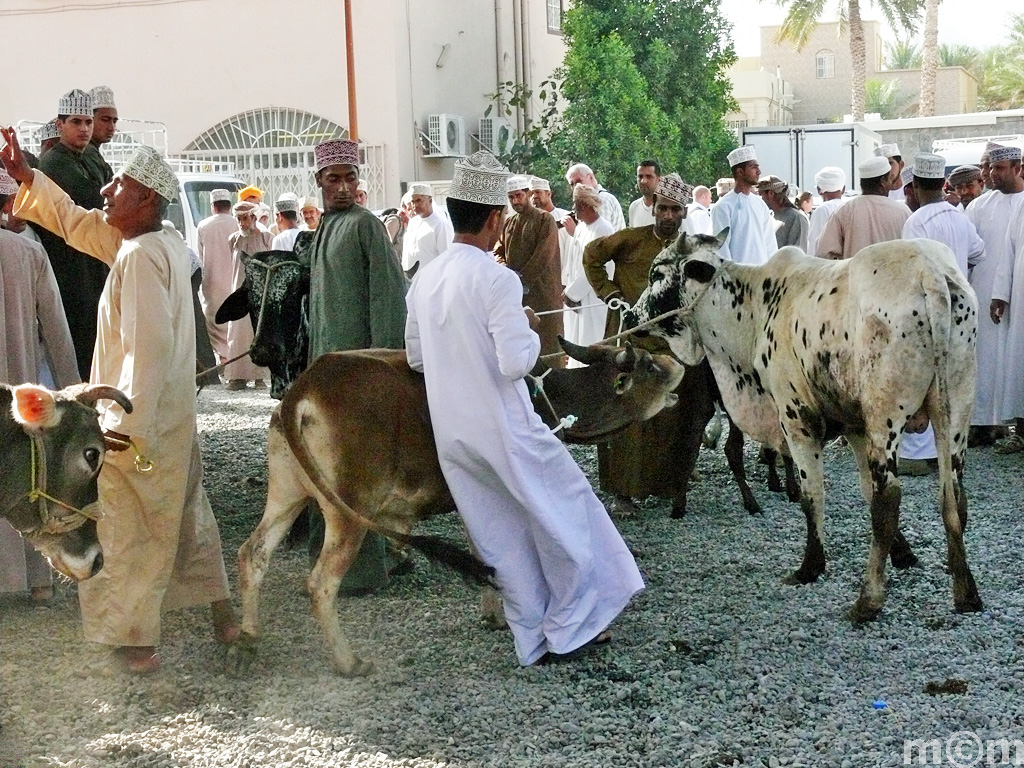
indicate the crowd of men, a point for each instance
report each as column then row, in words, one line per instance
column 101, row 287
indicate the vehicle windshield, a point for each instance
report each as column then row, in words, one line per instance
column 198, row 193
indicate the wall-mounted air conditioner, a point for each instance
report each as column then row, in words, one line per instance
column 446, row 136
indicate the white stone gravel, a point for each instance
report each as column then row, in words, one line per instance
column 717, row 663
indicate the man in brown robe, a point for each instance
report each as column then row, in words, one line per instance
column 647, row 459
column 529, row 246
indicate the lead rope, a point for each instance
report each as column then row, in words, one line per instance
column 565, row 422
column 38, row 495
column 259, row 320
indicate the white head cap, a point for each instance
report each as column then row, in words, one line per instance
column 310, row 202
column 830, row 179
column 149, row 169
column 538, row 183
column 906, row 175
column 220, row 196
column 421, row 189
column 742, row 154
column 516, row 183
column 361, row 186
column 8, row 186
column 929, row 166
column 888, row 150
column 75, row 102
column 998, row 153
column 480, row 178
column 48, row 131
column 289, row 201
column 262, row 210
column 102, row 97
column 873, row 168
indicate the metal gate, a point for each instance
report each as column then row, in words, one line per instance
column 272, row 148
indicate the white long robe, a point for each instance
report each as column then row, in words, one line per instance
column 426, row 239
column 1009, row 287
column 819, row 218
column 213, row 247
column 699, row 217
column 585, row 325
column 992, row 215
column 564, row 240
column 751, row 226
column 285, row 241
column 564, row 571
column 640, row 213
column 241, row 332
column 161, row 546
column 948, row 225
column 30, row 310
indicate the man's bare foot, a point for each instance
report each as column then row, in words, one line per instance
column 225, row 625
column 138, row 660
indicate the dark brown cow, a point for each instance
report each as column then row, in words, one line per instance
column 52, row 451
column 353, row 432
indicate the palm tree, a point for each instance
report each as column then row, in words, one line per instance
column 903, row 54
column 885, row 98
column 929, row 58
column 802, row 18
column 1003, row 67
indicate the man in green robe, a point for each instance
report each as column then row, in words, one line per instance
column 80, row 278
column 356, row 300
column 657, row 456
column 104, row 126
column 529, row 246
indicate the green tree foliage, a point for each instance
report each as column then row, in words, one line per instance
column 903, row 54
column 886, row 98
column 1003, row 79
column 641, row 79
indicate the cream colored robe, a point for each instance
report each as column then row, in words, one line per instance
column 160, row 540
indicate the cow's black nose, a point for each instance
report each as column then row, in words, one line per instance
column 97, row 564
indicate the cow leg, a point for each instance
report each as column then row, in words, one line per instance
column 343, row 536
column 286, row 498
column 734, row 456
column 807, row 456
column 771, row 460
column 792, row 484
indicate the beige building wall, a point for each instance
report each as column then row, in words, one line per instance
column 193, row 65
column 956, row 90
column 820, row 98
column 763, row 97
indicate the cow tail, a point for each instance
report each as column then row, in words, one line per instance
column 433, row 547
column 938, row 300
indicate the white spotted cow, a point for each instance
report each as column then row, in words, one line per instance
column 805, row 349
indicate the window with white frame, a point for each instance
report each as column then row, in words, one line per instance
column 554, row 16
column 824, row 65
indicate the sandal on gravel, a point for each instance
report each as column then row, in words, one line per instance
column 1012, row 444
column 602, row 638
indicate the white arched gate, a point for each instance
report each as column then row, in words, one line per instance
column 272, row 148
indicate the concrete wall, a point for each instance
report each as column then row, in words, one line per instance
column 192, row 65
column 918, row 133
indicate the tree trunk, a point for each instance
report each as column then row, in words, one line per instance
column 930, row 58
column 858, row 58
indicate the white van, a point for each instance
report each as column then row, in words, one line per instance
column 196, row 179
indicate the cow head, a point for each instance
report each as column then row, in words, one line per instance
column 53, row 450
column 277, row 286
column 680, row 276
column 618, row 387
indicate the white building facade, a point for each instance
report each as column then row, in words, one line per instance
column 259, row 83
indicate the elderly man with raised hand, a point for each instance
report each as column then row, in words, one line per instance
column 104, row 126
column 160, row 541
column 429, row 233
column 891, row 153
column 641, row 210
column 645, row 459
column 867, row 219
column 79, row 277
column 995, row 215
column 356, row 301
column 564, row 571
column 610, row 211
column 529, row 247
column 793, row 224
column 751, row 238
column 831, row 184
column 935, row 219
column 247, row 240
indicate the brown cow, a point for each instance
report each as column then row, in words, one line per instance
column 353, row 432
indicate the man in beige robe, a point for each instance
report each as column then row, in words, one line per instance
column 248, row 240
column 160, row 540
column 529, row 247
column 213, row 247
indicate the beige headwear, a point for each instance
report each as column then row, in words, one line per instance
column 581, row 193
column 149, row 169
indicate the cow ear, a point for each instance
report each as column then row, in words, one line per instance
column 235, row 306
column 722, row 236
column 623, row 383
column 697, row 270
column 34, row 407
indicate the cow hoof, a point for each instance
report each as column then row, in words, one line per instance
column 801, row 576
column 969, row 604
column 863, row 612
column 904, row 560
column 358, row 668
column 678, row 511
column 751, row 505
column 239, row 655
column 774, row 484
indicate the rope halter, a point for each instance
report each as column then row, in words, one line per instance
column 52, row 525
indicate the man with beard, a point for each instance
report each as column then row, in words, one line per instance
column 775, row 193
column 966, row 183
column 529, row 247
column 79, row 277
column 248, row 240
column 647, row 458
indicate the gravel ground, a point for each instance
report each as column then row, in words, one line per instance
column 717, row 663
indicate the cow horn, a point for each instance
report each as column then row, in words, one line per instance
column 626, row 359
column 585, row 355
column 94, row 392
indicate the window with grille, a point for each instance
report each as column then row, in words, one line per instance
column 824, row 65
column 554, row 16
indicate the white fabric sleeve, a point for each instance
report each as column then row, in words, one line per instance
column 413, row 347
column 719, row 221
column 516, row 344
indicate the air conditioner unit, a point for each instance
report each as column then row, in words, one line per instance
column 496, row 135
column 447, row 135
